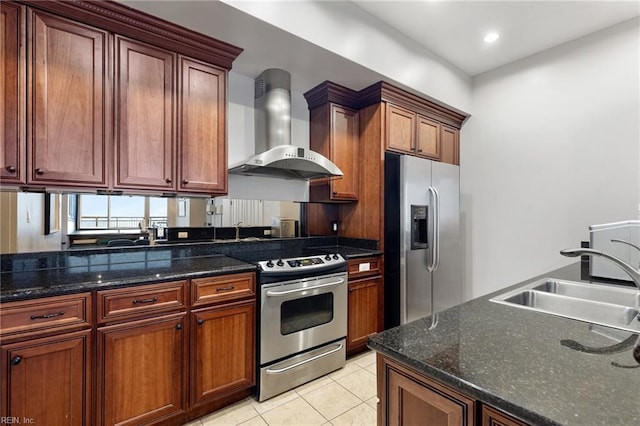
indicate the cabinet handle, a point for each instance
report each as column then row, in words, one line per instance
column 151, row 300
column 420, row 150
column 335, row 192
column 231, row 287
column 351, row 290
column 185, row 182
column 168, row 180
column 11, row 169
column 46, row 316
column 16, row 360
column 200, row 321
column 179, row 327
column 39, row 171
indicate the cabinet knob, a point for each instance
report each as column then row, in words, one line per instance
column 185, row 182
column 11, row 169
column 335, row 192
column 179, row 327
column 16, row 360
column 200, row 321
column 39, row 171
column 168, row 180
column 420, row 150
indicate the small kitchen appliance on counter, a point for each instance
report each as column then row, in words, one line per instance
column 620, row 239
column 284, row 227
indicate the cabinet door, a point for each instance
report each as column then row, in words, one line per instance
column 202, row 128
column 345, row 152
column 493, row 417
column 67, row 121
column 145, row 111
column 401, row 125
column 141, row 370
column 428, row 138
column 12, row 93
column 222, row 351
column 411, row 402
column 48, row 381
column 450, row 141
column 364, row 312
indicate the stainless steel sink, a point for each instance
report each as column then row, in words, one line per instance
column 607, row 305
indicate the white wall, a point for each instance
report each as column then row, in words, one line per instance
column 552, row 147
column 347, row 30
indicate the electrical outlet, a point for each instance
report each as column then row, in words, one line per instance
column 267, row 232
column 183, row 234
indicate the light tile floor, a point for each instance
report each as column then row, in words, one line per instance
column 344, row 397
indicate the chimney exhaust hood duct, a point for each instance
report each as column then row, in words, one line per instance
column 275, row 156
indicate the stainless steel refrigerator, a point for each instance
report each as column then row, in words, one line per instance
column 422, row 232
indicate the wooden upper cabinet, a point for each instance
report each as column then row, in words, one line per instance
column 450, row 142
column 401, row 124
column 428, row 138
column 12, row 93
column 202, row 148
column 345, row 152
column 334, row 133
column 68, row 119
column 145, row 110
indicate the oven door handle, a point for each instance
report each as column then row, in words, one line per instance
column 298, row 290
column 298, row 364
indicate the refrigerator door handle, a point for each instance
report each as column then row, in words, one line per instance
column 436, row 235
column 433, row 201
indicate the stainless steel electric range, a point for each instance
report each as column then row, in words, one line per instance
column 302, row 323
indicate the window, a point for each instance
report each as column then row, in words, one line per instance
column 120, row 212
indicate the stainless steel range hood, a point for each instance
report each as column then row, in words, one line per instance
column 275, row 156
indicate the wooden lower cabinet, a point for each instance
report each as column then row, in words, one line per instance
column 364, row 317
column 365, row 313
column 222, row 350
column 47, row 381
column 414, row 401
column 493, row 417
column 408, row 398
column 141, row 370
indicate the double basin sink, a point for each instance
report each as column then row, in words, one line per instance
column 608, row 305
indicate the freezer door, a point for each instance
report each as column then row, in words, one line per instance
column 415, row 278
column 447, row 279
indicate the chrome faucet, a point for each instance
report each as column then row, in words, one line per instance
column 633, row 272
column 237, row 225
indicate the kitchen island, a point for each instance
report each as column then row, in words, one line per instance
column 494, row 356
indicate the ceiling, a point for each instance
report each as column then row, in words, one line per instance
column 454, row 30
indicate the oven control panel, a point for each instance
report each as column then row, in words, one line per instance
column 299, row 264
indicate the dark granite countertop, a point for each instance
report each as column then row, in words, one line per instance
column 33, row 275
column 109, row 270
column 512, row 359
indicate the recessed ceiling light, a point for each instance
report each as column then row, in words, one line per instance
column 491, row 37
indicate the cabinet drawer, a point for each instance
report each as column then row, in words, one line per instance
column 51, row 314
column 140, row 301
column 364, row 267
column 205, row 291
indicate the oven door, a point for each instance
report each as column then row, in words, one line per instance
column 302, row 314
